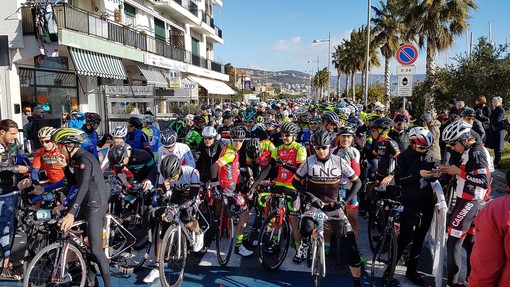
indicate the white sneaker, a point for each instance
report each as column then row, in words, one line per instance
column 152, row 276
column 301, row 253
column 199, row 242
column 241, row 250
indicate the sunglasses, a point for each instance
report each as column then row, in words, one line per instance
column 238, row 140
column 45, row 141
column 130, row 126
column 248, row 122
column 321, row 147
column 313, row 123
column 452, row 144
column 286, row 135
column 175, row 178
column 208, row 138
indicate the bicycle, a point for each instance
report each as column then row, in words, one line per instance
column 225, row 230
column 275, row 233
column 62, row 262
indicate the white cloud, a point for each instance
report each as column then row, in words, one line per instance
column 286, row 44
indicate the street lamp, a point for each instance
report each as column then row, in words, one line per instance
column 328, row 58
column 367, row 59
column 312, row 61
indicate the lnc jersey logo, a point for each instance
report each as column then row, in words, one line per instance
column 323, row 172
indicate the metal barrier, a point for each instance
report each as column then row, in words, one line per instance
column 438, row 233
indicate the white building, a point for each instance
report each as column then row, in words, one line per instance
column 112, row 57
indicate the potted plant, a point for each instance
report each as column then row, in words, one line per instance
column 116, row 15
column 142, row 32
column 104, row 16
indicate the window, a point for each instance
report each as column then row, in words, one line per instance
column 159, row 29
column 130, row 14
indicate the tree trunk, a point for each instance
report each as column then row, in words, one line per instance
column 430, row 76
column 364, row 77
column 387, row 84
column 353, row 86
column 338, row 87
column 348, row 84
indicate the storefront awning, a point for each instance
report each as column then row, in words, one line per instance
column 153, row 75
column 94, row 64
column 213, row 86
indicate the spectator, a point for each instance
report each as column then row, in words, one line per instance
column 483, row 113
column 468, row 115
column 460, row 106
column 26, row 129
column 496, row 137
column 433, row 125
column 77, row 120
column 452, row 106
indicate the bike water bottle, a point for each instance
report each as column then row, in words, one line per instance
column 396, row 225
column 105, row 242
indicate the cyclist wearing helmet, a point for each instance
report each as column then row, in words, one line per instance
column 386, row 151
column 302, row 122
column 415, row 169
column 152, row 132
column 119, row 135
column 169, row 145
column 92, row 121
column 207, row 114
column 473, row 188
column 225, row 177
column 82, row 169
column 226, row 126
column 208, row 152
column 46, row 158
column 468, row 114
column 254, row 131
column 400, row 131
column 135, row 137
column 193, row 138
column 258, row 157
column 181, row 186
column 321, row 174
column 330, row 121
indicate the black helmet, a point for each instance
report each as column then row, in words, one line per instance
column 290, row 128
column 468, row 112
column 68, row 135
column 382, row 123
column 136, row 122
column 330, row 117
column 117, row 154
column 199, row 120
column 92, row 118
column 253, row 148
column 346, row 129
column 322, row 138
column 168, row 138
column 237, row 132
column 170, row 166
column 227, row 114
column 400, row 118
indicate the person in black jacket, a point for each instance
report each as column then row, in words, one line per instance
column 414, row 166
column 91, row 201
column 207, row 153
column 468, row 115
column 483, row 113
column 496, row 137
column 400, row 131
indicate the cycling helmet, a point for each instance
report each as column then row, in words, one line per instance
column 457, row 131
column 422, row 137
column 290, row 128
column 68, row 135
column 346, row 129
column 278, row 123
column 148, row 118
column 379, row 108
column 316, row 118
column 227, row 114
column 285, row 113
column 168, row 138
column 330, row 117
column 302, row 112
column 249, row 114
column 468, row 112
column 400, row 118
column 237, row 132
column 343, row 116
column 199, row 120
column 189, row 117
column 209, row 132
column 117, row 154
column 92, row 118
column 253, row 148
column 120, row 132
column 271, row 123
column 382, row 123
column 372, row 117
column 46, row 132
column 322, row 138
column 135, row 121
column 259, row 119
column 170, row 166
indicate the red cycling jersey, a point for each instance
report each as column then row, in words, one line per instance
column 228, row 174
column 48, row 161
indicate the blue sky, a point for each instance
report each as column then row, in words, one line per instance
column 277, row 35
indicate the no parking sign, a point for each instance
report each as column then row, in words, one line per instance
column 407, row 54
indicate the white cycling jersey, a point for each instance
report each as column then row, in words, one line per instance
column 182, row 151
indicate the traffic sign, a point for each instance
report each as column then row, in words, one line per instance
column 407, row 54
column 405, row 86
column 406, row 70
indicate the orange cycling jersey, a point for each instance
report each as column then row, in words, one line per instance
column 48, row 161
column 263, row 160
column 292, row 154
column 228, row 174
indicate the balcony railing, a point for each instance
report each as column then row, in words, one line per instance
column 89, row 23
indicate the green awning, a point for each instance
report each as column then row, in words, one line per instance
column 94, row 64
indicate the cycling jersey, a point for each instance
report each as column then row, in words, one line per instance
column 265, row 157
column 182, row 151
column 90, row 143
column 305, row 134
column 323, row 177
column 181, row 188
column 386, row 150
column 228, row 173
column 47, row 161
column 9, row 169
column 257, row 132
column 292, row 154
column 192, row 139
column 141, row 164
column 138, row 140
column 474, row 181
column 153, row 134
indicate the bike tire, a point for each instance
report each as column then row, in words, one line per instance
column 209, row 219
column 318, row 262
column 384, row 260
column 273, row 241
column 40, row 269
column 375, row 222
column 225, row 237
column 172, row 257
column 133, row 258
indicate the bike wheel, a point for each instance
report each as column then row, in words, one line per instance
column 225, row 237
column 43, row 270
column 274, row 241
column 385, row 259
column 318, row 262
column 131, row 259
column 206, row 221
column 172, row 257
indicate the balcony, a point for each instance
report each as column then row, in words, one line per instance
column 91, row 24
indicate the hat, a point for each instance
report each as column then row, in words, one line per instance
column 426, row 117
column 453, row 101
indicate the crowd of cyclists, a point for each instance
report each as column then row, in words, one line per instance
column 323, row 156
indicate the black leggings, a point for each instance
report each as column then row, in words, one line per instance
column 95, row 222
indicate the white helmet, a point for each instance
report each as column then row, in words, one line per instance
column 285, row 114
column 422, row 137
column 46, row 132
column 458, row 130
column 148, row 118
column 209, row 132
column 120, row 132
column 189, row 117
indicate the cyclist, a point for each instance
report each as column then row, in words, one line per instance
column 414, row 167
column 225, row 177
column 152, row 132
column 302, row 122
column 181, row 186
column 169, row 145
column 469, row 115
column 135, row 137
column 259, row 153
column 208, row 152
column 473, row 188
column 92, row 121
column 193, row 138
column 91, row 201
column 254, row 131
column 46, row 158
column 119, row 136
column 228, row 123
column 321, row 174
column 400, row 131
column 330, row 121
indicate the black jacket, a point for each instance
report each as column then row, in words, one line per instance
column 9, row 169
column 407, row 173
column 206, row 157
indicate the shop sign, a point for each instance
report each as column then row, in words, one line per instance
column 60, row 62
column 129, row 90
column 163, row 62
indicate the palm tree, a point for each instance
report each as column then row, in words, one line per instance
column 388, row 29
column 435, row 23
column 340, row 62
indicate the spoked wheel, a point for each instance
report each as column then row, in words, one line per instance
column 44, row 269
column 173, row 256
column 385, row 259
column 225, row 237
column 274, row 241
column 132, row 258
column 206, row 221
column 318, row 263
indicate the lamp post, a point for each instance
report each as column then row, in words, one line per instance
column 312, row 61
column 367, row 59
column 328, row 59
